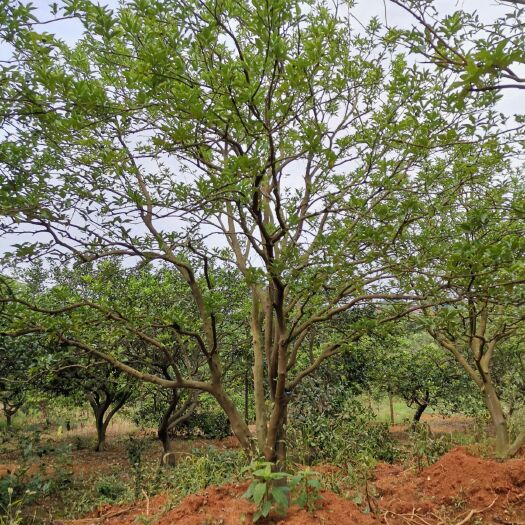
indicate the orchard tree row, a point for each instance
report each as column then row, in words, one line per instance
column 216, row 185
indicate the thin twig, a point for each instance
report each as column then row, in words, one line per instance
column 473, row 512
column 147, row 501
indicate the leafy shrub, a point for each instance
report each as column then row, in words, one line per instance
column 425, row 448
column 135, row 448
column 82, row 443
column 111, row 489
column 203, row 468
column 24, row 487
column 211, row 425
column 340, row 431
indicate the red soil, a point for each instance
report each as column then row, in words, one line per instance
column 455, row 485
column 459, row 489
column 224, row 506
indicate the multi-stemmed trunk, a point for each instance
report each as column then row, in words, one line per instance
column 172, row 417
column 10, row 409
column 271, row 429
column 100, row 408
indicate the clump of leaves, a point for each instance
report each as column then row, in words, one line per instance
column 209, row 466
column 212, row 425
column 307, row 486
column 135, row 447
column 22, row 485
column 111, row 488
column 266, row 491
column 425, row 448
column 343, row 430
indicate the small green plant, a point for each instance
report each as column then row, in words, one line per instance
column 82, row 443
column 12, row 510
column 425, row 448
column 360, row 470
column 135, row 447
column 307, row 486
column 24, row 485
column 266, row 491
column 63, row 463
column 111, row 488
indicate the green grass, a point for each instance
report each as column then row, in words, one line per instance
column 21, row 421
column 402, row 412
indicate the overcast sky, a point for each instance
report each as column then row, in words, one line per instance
column 489, row 10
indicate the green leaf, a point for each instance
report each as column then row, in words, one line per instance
column 259, row 492
column 265, row 510
column 280, row 495
column 249, row 493
column 314, row 483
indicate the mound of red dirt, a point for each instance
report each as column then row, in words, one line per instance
column 458, row 489
column 224, row 506
column 456, row 484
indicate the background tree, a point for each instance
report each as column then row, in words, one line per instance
column 478, row 279
column 15, row 385
column 410, row 365
column 82, row 380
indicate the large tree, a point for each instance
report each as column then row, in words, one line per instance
column 470, row 258
column 264, row 138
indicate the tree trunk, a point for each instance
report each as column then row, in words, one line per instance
column 168, row 457
column 422, row 404
column 43, row 409
column 8, row 419
column 258, row 375
column 246, row 396
column 101, row 430
column 391, row 405
column 237, row 423
column 498, row 419
column 275, row 446
column 421, row 407
column 280, row 446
